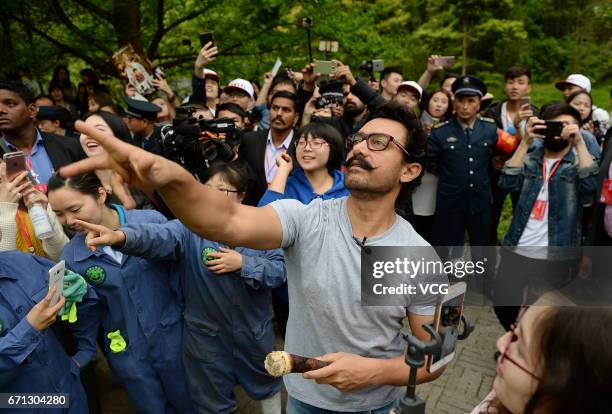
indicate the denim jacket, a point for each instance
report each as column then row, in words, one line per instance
column 569, row 189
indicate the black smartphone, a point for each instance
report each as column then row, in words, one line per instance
column 206, row 38
column 553, row 129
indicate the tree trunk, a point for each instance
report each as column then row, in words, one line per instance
column 126, row 21
column 6, row 43
column 465, row 45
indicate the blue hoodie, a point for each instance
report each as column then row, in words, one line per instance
column 298, row 188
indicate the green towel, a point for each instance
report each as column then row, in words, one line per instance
column 75, row 288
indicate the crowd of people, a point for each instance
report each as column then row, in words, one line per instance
column 188, row 252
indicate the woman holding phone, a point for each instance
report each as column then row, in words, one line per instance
column 141, row 324
column 16, row 228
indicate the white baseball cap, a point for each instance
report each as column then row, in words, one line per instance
column 211, row 74
column 575, row 79
column 413, row 87
column 243, row 85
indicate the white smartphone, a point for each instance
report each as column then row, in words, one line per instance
column 56, row 279
column 276, row 67
column 448, row 313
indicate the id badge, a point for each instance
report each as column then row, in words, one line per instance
column 539, row 209
column 606, row 192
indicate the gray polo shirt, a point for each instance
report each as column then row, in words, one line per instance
column 323, row 273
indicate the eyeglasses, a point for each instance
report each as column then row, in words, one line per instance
column 513, row 338
column 314, row 144
column 376, row 141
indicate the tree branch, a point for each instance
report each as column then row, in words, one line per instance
column 68, row 23
column 96, row 10
column 234, row 46
column 159, row 32
column 104, row 66
column 183, row 19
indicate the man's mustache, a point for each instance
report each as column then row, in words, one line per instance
column 360, row 162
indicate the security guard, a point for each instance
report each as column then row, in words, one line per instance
column 141, row 118
column 32, row 359
column 460, row 150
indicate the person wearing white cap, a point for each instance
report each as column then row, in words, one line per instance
column 577, row 82
column 574, row 83
column 240, row 92
column 205, row 82
column 409, row 94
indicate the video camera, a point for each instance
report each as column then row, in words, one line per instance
column 370, row 66
column 197, row 143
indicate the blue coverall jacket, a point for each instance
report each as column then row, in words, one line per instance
column 228, row 317
column 33, row 361
column 140, row 300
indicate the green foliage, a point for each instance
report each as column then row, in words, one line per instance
column 553, row 37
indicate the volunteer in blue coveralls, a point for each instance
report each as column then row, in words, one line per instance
column 141, row 321
column 228, row 317
column 32, row 360
column 460, row 150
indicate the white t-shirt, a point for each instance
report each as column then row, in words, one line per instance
column 535, row 233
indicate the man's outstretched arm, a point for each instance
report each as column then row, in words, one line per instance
column 206, row 212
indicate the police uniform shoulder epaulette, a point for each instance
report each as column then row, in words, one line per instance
column 441, row 124
column 490, row 120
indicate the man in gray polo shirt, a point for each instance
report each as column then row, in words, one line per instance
column 322, row 244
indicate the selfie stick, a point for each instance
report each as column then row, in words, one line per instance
column 415, row 357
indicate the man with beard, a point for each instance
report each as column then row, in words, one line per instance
column 260, row 148
column 322, row 242
column 555, row 180
column 359, row 97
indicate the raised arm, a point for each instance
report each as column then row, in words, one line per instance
column 190, row 201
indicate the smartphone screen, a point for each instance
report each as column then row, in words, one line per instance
column 553, row 129
column 206, row 38
column 56, row 279
column 448, row 313
column 15, row 164
column 325, row 67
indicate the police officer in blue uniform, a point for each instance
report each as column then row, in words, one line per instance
column 32, row 359
column 460, row 150
column 141, row 319
column 142, row 116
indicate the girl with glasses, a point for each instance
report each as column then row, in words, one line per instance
column 318, row 153
column 554, row 360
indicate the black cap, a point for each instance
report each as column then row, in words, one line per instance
column 469, row 86
column 141, row 109
column 53, row 113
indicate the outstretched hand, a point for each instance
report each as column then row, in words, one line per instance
column 131, row 166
